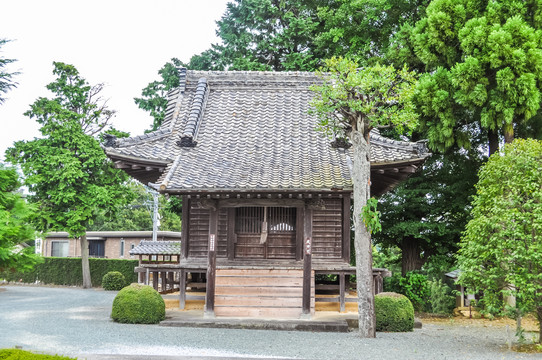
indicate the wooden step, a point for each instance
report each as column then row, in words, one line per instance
column 266, row 293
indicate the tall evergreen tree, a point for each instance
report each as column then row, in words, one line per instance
column 425, row 215
column 483, row 61
column 6, row 77
column 66, row 171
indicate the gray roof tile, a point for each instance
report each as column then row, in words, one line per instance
column 146, row 247
column 255, row 133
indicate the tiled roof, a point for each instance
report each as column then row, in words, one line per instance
column 147, row 247
column 249, row 131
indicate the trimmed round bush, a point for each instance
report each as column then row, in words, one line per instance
column 394, row 312
column 113, row 280
column 138, row 304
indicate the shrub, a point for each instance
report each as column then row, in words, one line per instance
column 16, row 354
column 138, row 304
column 394, row 312
column 67, row 271
column 414, row 286
column 113, row 280
column 442, row 299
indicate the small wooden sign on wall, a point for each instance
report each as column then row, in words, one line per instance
column 308, row 242
column 212, row 242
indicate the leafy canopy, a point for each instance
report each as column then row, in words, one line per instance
column 15, row 228
column 66, row 171
column 502, row 243
column 427, row 213
column 137, row 215
column 153, row 97
column 353, row 98
column 484, row 65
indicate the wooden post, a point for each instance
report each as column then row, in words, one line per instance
column 300, row 232
column 211, row 264
column 185, row 219
column 141, row 276
column 231, row 234
column 155, row 276
column 163, row 277
column 182, row 289
column 170, row 280
column 346, row 229
column 341, row 291
column 147, row 276
column 307, row 265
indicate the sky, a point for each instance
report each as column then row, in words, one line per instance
column 120, row 43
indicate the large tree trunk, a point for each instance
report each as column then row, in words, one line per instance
column 362, row 238
column 493, row 137
column 411, row 256
column 539, row 317
column 87, row 283
column 508, row 131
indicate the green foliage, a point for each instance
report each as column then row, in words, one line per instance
column 414, row 286
column 371, row 216
column 483, row 61
column 363, row 29
column 17, row 354
column 425, row 215
column 394, row 312
column 351, row 98
column 138, row 304
column 137, row 215
column 6, row 77
column 15, row 228
column 387, row 258
column 501, row 250
column 265, row 35
column 113, row 280
column 67, row 271
column 66, row 170
column 442, row 298
column 153, row 97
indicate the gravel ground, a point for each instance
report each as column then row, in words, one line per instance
column 75, row 322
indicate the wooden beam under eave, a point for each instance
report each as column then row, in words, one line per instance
column 121, row 165
column 408, row 170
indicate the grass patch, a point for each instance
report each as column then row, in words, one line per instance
column 17, row 354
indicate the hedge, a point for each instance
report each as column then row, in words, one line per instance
column 67, row 271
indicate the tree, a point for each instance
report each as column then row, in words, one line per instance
column 137, row 215
column 426, row 214
column 483, row 61
column 350, row 102
column 364, row 29
column 502, row 243
column 15, row 228
column 66, row 171
column 153, row 97
column 6, row 78
column 266, row 35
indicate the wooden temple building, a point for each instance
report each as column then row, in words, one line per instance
column 266, row 197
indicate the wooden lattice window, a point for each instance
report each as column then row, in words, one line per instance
column 249, row 220
column 281, row 220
